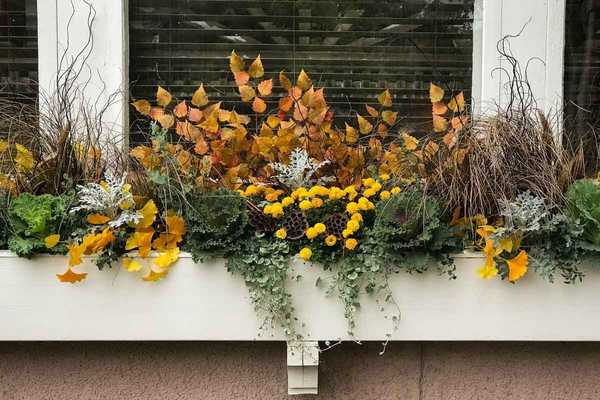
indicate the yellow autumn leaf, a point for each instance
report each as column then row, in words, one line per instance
column 265, row 88
column 141, row 241
column 97, row 219
column 285, row 81
column 236, row 63
column 259, row 105
column 436, row 93
column 181, row 110
column 24, row 158
column 273, row 121
column 440, row 124
column 51, row 241
column 439, row 108
column 410, row 142
column 256, row 69
column 75, row 253
column 148, row 213
column 385, row 98
column 166, row 121
column 200, row 99
column 71, row 276
column 166, row 259
column 163, row 97
column 364, row 126
column 457, row 103
column 131, row 264
column 351, row 134
column 389, row 117
column 485, row 231
column 517, row 267
column 142, row 106
column 489, row 269
column 247, row 93
column 175, row 225
column 153, row 276
column 303, row 81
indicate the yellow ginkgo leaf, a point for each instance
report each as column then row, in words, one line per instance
column 97, row 219
column 131, row 265
column 153, row 276
column 141, row 241
column 256, row 69
column 236, row 63
column 51, row 241
column 163, row 97
column 75, row 253
column 200, row 99
column 24, row 158
column 364, row 126
column 410, row 142
column 247, row 93
column 517, row 267
column 385, row 98
column 485, row 231
column 148, row 213
column 71, row 276
column 351, row 134
column 303, row 81
column 142, row 106
column 436, row 93
column 489, row 269
column 166, row 259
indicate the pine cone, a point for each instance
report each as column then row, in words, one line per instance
column 336, row 224
column 295, row 223
column 260, row 221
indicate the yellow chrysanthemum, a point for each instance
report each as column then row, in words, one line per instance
column 312, row 233
column 351, row 244
column 353, row 225
column 352, row 207
column 316, row 202
column 395, row 190
column 370, row 192
column 305, row 205
column 320, row 227
column 376, row 186
column 330, row 240
column 287, row 201
column 305, row 254
column 385, row 195
column 368, row 181
column 252, row 191
column 347, row 233
column 384, row 177
column 357, row 217
column 281, row 233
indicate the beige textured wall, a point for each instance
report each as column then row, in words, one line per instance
column 225, row 371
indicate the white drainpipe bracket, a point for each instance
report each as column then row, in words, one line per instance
column 303, row 367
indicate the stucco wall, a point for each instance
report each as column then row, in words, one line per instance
column 420, row 371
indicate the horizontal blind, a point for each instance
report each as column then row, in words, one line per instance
column 18, row 49
column 352, row 48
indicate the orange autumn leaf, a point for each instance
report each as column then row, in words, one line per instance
column 364, row 126
column 410, row 142
column 210, row 125
column 241, row 77
column 431, row 149
column 436, row 93
column 273, row 121
column 51, row 241
column 385, row 98
column 247, row 93
column 201, row 146
column 153, row 276
column 372, row 112
column 97, row 219
column 517, row 267
column 440, row 124
column 236, row 63
column 156, row 113
column 181, row 110
column 256, row 69
column 167, row 121
column 259, row 105
column 71, row 276
column 200, row 99
column 265, row 88
column 439, row 108
column 303, row 81
column 187, row 131
column 163, row 97
column 450, row 139
column 175, row 225
column 142, row 106
column 389, row 117
column 457, row 103
column 351, row 134
column 285, row 81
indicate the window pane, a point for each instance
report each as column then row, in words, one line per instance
column 18, row 49
column 353, row 48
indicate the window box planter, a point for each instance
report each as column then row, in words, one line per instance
column 205, row 302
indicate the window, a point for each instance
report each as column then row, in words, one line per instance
column 582, row 75
column 18, row 49
column 353, row 48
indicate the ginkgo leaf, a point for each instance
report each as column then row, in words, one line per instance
column 97, row 219
column 265, row 88
column 285, row 81
column 303, row 81
column 372, row 112
column 148, row 213
column 457, row 103
column 51, row 241
column 410, row 142
column 181, row 110
column 259, row 105
column 163, row 97
column 153, row 276
column 364, row 126
column 351, row 134
column 256, row 69
column 131, row 264
column 385, row 98
column 241, row 78
column 517, row 267
column 75, row 253
column 236, row 63
column 175, row 225
column 440, row 124
column 389, row 117
column 71, row 276
column 247, row 93
column 166, row 259
column 439, row 108
column 142, row 106
column 436, row 93
column 200, row 99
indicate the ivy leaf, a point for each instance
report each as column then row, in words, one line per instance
column 71, row 276
column 236, row 63
column 142, row 106
column 163, row 98
column 385, row 98
column 265, row 88
column 436, row 93
column 256, row 69
column 200, row 99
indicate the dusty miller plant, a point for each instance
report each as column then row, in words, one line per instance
column 300, row 171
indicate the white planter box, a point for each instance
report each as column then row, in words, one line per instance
column 205, row 302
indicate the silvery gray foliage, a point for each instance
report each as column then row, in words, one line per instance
column 107, row 200
column 301, row 170
column 527, row 213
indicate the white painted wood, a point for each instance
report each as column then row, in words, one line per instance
column 205, row 302
column 303, row 367
column 63, row 30
column 539, row 49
